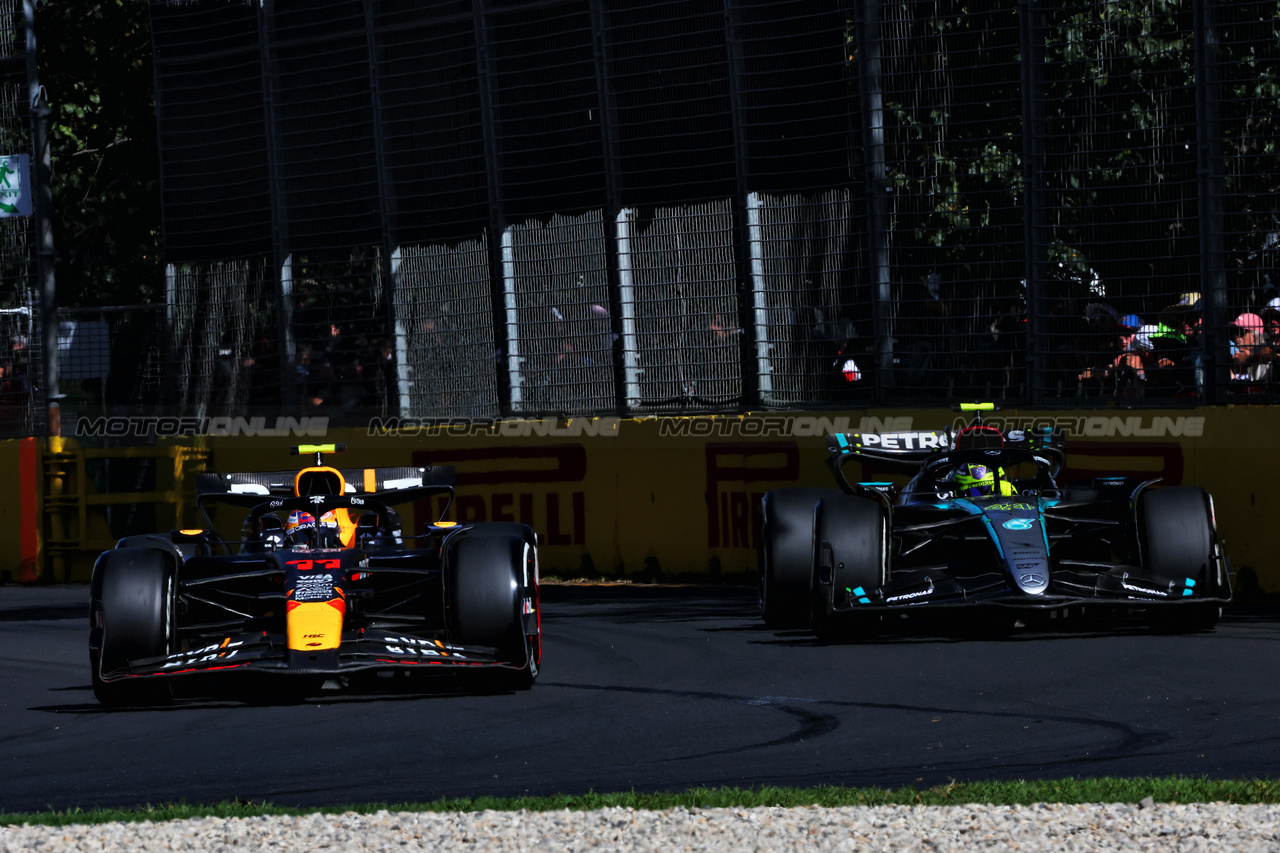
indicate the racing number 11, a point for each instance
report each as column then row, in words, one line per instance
column 308, row 565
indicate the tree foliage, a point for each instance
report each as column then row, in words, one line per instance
column 95, row 65
column 1119, row 118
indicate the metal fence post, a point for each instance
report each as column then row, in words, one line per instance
column 624, row 228
column 497, row 214
column 759, row 297
column 42, row 174
column 386, row 202
column 511, row 320
column 404, row 381
column 171, row 374
column 1036, row 244
column 613, row 198
column 1210, row 173
column 752, row 389
column 282, row 258
column 867, row 27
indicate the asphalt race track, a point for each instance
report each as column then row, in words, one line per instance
column 656, row 689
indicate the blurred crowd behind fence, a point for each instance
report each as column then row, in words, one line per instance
column 486, row 208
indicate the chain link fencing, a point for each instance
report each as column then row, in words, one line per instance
column 384, row 208
column 20, row 338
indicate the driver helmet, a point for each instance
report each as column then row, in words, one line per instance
column 974, row 480
column 300, row 527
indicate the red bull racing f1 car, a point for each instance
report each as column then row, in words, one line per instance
column 322, row 584
column 984, row 531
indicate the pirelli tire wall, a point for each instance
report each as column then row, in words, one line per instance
column 669, row 497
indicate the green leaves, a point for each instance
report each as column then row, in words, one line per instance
column 95, row 65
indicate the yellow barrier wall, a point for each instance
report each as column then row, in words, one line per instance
column 667, row 496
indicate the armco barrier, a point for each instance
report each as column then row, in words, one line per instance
column 668, row 496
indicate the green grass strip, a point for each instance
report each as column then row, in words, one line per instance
column 1172, row 789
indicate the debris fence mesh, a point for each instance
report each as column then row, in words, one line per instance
column 524, row 207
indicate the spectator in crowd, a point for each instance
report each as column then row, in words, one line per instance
column 310, row 381
column 262, row 368
column 1271, row 337
column 723, row 328
column 1271, row 325
column 1251, row 355
column 1121, row 367
column 852, row 371
column 381, row 380
column 848, row 367
column 15, row 398
column 1096, row 344
column 1175, row 352
column 1066, row 347
column 997, row 366
column 333, row 365
column 347, row 355
column 1182, row 320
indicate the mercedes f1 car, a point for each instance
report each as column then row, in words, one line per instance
column 323, row 584
column 984, row 531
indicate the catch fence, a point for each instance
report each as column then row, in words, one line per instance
column 524, row 207
column 20, row 337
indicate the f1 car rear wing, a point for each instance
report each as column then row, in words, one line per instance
column 901, row 452
column 906, row 452
column 354, row 481
column 274, row 489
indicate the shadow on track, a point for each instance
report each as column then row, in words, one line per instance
column 184, row 699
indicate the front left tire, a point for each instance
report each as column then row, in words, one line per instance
column 131, row 617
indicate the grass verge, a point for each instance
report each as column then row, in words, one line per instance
column 1172, row 789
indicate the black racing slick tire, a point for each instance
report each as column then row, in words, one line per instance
column 491, row 598
column 1179, row 543
column 785, row 550
column 851, row 562
column 131, row 617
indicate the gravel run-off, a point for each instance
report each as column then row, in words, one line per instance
column 1211, row 826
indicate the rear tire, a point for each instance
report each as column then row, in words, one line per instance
column 786, row 554
column 852, row 555
column 1179, row 542
column 133, row 601
column 490, row 572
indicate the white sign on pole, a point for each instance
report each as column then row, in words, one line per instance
column 15, row 188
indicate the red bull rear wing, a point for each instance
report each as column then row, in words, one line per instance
column 354, row 480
